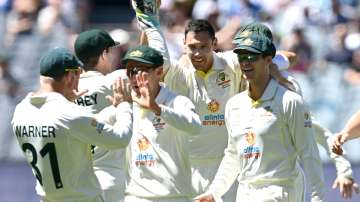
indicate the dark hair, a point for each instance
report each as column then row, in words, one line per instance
column 200, row 26
column 92, row 61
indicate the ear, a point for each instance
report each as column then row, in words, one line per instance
column 215, row 42
column 159, row 71
column 268, row 59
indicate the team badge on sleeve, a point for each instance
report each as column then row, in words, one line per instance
column 307, row 120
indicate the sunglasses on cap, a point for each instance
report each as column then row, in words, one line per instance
column 248, row 57
column 72, row 69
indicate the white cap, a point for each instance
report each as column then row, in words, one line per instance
column 120, row 35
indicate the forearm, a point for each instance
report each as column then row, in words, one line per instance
column 185, row 119
column 323, row 137
column 352, row 127
column 111, row 137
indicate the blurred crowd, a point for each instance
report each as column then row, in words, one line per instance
column 325, row 35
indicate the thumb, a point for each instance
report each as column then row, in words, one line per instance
column 110, row 99
column 342, row 139
column 80, row 93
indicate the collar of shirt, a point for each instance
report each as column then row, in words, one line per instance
column 268, row 94
column 90, row 74
column 44, row 97
column 217, row 65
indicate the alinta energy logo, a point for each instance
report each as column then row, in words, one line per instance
column 214, row 119
column 251, row 151
column 144, row 158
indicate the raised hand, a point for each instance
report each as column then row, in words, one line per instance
column 147, row 93
column 346, row 186
column 121, row 92
column 338, row 141
column 147, row 13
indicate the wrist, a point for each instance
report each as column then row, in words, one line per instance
column 156, row 109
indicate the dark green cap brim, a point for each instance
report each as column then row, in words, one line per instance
column 125, row 60
column 144, row 54
column 240, row 48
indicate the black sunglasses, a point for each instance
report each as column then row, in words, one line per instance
column 249, row 57
column 134, row 71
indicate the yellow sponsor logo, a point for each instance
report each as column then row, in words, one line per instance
column 213, row 106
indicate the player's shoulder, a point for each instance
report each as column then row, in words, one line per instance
column 288, row 98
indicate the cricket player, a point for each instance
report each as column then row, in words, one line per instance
column 323, row 136
column 55, row 134
column 97, row 50
column 209, row 79
column 159, row 168
column 270, row 130
column 350, row 131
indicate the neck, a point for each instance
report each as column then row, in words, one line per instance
column 257, row 88
column 49, row 85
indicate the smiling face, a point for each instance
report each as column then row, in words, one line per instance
column 199, row 48
column 254, row 66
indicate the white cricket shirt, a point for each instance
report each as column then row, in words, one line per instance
column 266, row 138
column 158, row 153
column 56, row 135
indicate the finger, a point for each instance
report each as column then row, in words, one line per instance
column 80, row 93
column 118, row 85
column 341, row 189
column 137, row 78
column 342, row 139
column 122, row 86
column 335, row 184
column 346, row 191
column 356, row 188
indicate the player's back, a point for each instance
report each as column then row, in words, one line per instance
column 46, row 128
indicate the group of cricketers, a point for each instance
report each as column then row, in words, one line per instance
column 213, row 126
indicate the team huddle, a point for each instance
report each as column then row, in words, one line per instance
column 213, row 126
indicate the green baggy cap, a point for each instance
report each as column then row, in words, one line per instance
column 92, row 43
column 57, row 61
column 256, row 44
column 144, row 54
column 252, row 28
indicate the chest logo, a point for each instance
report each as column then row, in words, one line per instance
column 250, row 138
column 143, row 143
column 223, row 80
column 213, row 106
